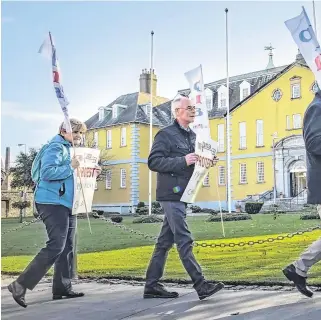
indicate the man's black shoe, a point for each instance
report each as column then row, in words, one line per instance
column 68, row 295
column 158, row 291
column 299, row 281
column 18, row 293
column 208, row 289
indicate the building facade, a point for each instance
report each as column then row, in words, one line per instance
column 266, row 112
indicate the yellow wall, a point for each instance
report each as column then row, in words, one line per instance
column 143, row 183
column 144, row 98
column 116, row 194
column 262, row 107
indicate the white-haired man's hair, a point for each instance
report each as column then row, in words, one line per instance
column 176, row 104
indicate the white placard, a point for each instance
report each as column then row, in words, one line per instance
column 84, row 178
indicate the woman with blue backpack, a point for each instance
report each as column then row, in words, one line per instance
column 53, row 173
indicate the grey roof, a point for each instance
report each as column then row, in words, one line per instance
column 256, row 79
column 126, row 115
column 162, row 113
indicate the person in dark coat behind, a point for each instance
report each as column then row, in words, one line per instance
column 298, row 270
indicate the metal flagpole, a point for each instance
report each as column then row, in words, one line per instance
column 229, row 200
column 315, row 20
column 151, row 121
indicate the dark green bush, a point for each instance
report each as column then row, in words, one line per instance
column 253, row 207
column 196, row 209
column 229, row 217
column 310, row 216
column 140, row 204
column 117, row 219
column 211, row 211
column 148, row 219
column 21, row 205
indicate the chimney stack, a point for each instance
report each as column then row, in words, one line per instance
column 144, row 81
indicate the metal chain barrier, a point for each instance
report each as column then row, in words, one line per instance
column 215, row 245
column 196, row 244
column 123, row 227
column 251, row 243
column 23, row 224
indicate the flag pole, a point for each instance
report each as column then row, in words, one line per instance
column 315, row 20
column 151, row 121
column 228, row 137
column 68, row 128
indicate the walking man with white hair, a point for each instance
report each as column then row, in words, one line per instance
column 173, row 158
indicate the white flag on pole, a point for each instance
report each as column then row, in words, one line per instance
column 304, row 36
column 201, row 123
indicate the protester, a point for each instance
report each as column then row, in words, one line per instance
column 173, row 158
column 54, row 195
column 297, row 271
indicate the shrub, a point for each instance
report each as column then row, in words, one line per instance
column 140, row 204
column 211, row 211
column 157, row 210
column 253, row 207
column 117, row 219
column 148, row 219
column 142, row 211
column 196, row 209
column 21, row 205
column 156, row 205
column 310, row 216
column 229, row 217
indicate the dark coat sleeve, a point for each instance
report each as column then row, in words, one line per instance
column 160, row 159
column 312, row 127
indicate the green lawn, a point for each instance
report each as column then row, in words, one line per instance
column 110, row 251
column 105, row 237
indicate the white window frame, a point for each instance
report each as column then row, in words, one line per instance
column 296, row 90
column 96, row 139
column 221, row 137
column 243, row 173
column 123, row 137
column 209, row 99
column 206, row 180
column 259, row 133
column 242, row 135
column 123, row 177
column 115, row 111
column 109, row 139
column 221, row 175
column 221, row 96
column 260, row 172
column 297, row 121
column 244, row 86
column 108, row 180
column 288, row 122
column 101, row 113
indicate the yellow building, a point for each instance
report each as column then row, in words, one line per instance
column 266, row 109
column 121, row 131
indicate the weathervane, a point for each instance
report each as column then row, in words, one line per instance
column 270, row 64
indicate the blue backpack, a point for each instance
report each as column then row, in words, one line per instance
column 36, row 164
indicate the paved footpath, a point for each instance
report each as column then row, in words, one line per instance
column 114, row 300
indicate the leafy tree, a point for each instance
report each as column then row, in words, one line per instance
column 21, row 172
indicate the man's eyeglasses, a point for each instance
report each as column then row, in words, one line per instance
column 189, row 108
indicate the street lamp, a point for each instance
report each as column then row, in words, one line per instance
column 274, row 137
column 24, row 180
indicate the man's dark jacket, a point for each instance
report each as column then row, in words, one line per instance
column 312, row 139
column 167, row 158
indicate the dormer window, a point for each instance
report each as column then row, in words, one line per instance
column 117, row 109
column 146, row 109
column 101, row 113
column 245, row 90
column 209, row 99
column 222, row 97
